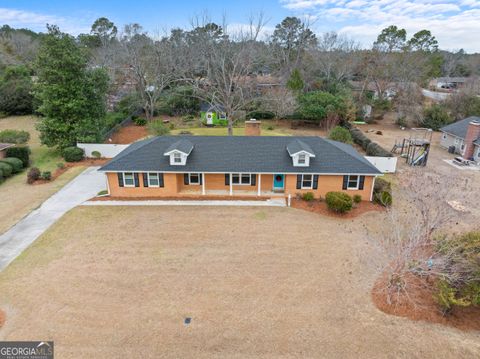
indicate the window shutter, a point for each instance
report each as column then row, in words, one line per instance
column 185, row 178
column 145, row 179
column 315, row 181
column 160, row 180
column 201, row 178
column 227, row 179
column 362, row 182
column 120, row 179
column 299, row 181
column 135, row 177
column 253, row 180
column 345, row 182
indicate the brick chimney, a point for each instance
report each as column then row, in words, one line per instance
column 473, row 132
column 252, row 127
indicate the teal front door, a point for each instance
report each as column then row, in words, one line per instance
column 278, row 181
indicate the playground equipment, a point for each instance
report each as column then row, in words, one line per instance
column 416, row 148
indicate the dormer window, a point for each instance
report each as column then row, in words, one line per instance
column 179, row 152
column 302, row 159
column 177, row 157
column 300, row 152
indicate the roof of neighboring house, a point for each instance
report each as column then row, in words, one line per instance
column 183, row 145
column 248, row 154
column 452, row 79
column 4, row 146
column 298, row 146
column 459, row 128
column 206, row 107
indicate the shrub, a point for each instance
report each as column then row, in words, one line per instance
column 340, row 134
column 20, row 152
column 359, row 138
column 102, row 192
column 374, row 149
column 308, row 196
column 60, row 165
column 339, row 202
column 382, row 192
column 1, row 177
column 158, row 128
column 435, row 117
column 18, row 137
column 357, row 199
column 73, row 154
column 6, row 169
column 46, row 175
column 33, row 175
column 139, row 121
column 96, row 154
column 17, row 164
column 261, row 115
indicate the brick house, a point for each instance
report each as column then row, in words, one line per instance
column 463, row 137
column 182, row 166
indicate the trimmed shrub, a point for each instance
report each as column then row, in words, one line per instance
column 339, row 202
column 357, row 199
column 33, row 175
column 308, row 196
column 340, row 134
column 382, row 192
column 14, row 136
column 46, row 175
column 158, row 128
column 139, row 121
column 374, row 149
column 6, row 169
column 17, row 164
column 103, row 192
column 96, row 154
column 60, row 165
column 20, row 152
column 359, row 138
column 73, row 154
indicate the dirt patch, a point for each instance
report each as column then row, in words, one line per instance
column 2, row 318
column 320, row 207
column 185, row 197
column 421, row 306
column 87, row 162
column 128, row 134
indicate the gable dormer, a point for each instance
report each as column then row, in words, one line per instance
column 179, row 152
column 300, row 152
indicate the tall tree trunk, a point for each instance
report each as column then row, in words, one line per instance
column 230, row 126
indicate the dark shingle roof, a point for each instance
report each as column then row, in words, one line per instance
column 183, row 145
column 459, row 128
column 296, row 146
column 206, row 107
column 253, row 154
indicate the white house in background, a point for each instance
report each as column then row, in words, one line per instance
column 463, row 137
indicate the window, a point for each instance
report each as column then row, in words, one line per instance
column 307, row 181
column 153, row 180
column 302, row 158
column 444, row 136
column 128, row 179
column 353, row 182
column 177, row 157
column 194, row 178
column 241, row 178
column 223, row 116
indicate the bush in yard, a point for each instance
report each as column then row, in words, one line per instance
column 46, row 175
column 6, row 169
column 96, row 154
column 308, row 196
column 20, row 152
column 33, row 175
column 139, row 121
column 60, row 165
column 359, row 138
column 435, row 117
column 382, row 192
column 18, row 137
column 158, row 128
column 374, row 149
column 73, row 154
column 17, row 164
column 357, row 199
column 340, row 134
column 339, row 202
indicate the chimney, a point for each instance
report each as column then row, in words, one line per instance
column 473, row 132
column 252, row 127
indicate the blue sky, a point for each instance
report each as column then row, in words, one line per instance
column 456, row 24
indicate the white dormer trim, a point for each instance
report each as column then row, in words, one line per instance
column 301, row 159
column 177, row 158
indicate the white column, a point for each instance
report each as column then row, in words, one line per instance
column 231, row 185
column 259, row 183
column 203, row 184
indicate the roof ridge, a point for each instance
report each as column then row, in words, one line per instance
column 354, row 156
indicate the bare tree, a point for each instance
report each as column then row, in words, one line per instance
column 280, row 101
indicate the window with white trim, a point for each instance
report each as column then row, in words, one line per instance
column 194, row 178
column 302, row 159
column 223, row 116
column 307, row 181
column 353, row 182
column 153, row 180
column 128, row 179
column 241, row 178
column 177, row 157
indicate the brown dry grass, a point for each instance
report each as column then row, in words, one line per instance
column 257, row 282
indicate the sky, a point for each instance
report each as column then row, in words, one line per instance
column 455, row 24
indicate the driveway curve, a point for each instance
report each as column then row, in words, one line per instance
column 27, row 230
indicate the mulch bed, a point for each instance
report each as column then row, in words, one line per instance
column 184, row 197
column 87, row 162
column 320, row 207
column 2, row 318
column 421, row 305
column 128, row 134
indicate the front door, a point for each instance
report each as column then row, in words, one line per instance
column 278, row 181
column 209, row 118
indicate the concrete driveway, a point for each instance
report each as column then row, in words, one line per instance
column 27, row 230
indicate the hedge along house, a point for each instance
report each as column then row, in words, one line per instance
column 212, row 115
column 171, row 166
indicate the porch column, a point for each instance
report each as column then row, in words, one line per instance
column 203, row 184
column 259, row 184
column 231, row 185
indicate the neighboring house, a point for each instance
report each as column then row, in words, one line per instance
column 448, row 83
column 172, row 166
column 3, row 147
column 463, row 137
column 213, row 114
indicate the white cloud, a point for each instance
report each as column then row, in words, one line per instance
column 454, row 23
